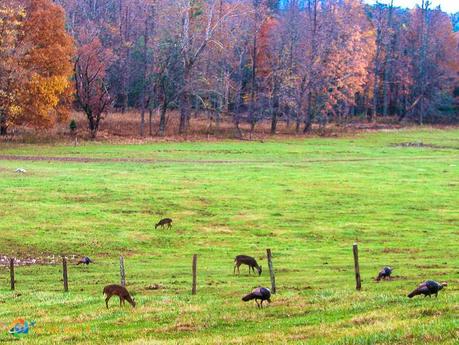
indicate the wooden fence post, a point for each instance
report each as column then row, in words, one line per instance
column 64, row 274
column 271, row 271
column 122, row 273
column 195, row 261
column 12, row 273
column 358, row 282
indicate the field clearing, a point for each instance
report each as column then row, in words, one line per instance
column 308, row 200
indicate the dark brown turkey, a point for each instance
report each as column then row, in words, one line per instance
column 86, row 261
column 384, row 273
column 260, row 293
column 428, row 288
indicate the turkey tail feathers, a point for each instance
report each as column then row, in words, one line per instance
column 413, row 293
column 249, row 297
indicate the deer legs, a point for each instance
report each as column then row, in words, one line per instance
column 237, row 266
column 106, row 300
column 122, row 302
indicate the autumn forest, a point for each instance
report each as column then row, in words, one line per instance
column 304, row 63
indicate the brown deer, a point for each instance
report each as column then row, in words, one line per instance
column 246, row 260
column 120, row 291
column 165, row 221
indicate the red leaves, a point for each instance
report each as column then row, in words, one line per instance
column 91, row 89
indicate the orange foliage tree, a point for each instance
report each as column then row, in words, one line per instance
column 43, row 53
column 11, row 73
column 49, row 89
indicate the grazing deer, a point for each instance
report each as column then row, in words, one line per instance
column 165, row 221
column 117, row 290
column 246, row 260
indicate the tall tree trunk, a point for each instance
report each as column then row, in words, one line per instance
column 299, row 104
column 309, row 115
column 385, row 91
column 238, row 97
column 125, row 53
column 3, row 125
column 93, row 123
column 423, row 59
column 217, row 119
column 252, row 117
column 144, row 91
column 185, row 106
column 124, row 92
column 162, row 117
column 150, row 120
column 375, row 87
column 252, row 129
column 227, row 94
column 146, row 38
column 365, row 108
column 273, row 122
column 403, row 109
column 314, row 53
column 376, row 70
column 287, row 112
column 387, row 62
column 274, row 109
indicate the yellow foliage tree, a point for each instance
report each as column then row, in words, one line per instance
column 41, row 91
column 11, row 73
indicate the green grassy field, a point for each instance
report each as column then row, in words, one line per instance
column 307, row 199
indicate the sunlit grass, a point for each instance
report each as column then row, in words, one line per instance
column 307, row 200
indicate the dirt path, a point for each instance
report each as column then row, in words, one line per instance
column 207, row 161
column 109, row 160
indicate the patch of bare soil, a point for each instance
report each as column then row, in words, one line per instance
column 429, row 266
column 420, row 144
column 117, row 160
column 204, row 161
column 401, row 250
column 27, row 261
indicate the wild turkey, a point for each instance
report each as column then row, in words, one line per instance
column 86, row 260
column 164, row 221
column 428, row 288
column 260, row 293
column 384, row 273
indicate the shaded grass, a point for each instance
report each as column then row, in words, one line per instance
column 308, row 200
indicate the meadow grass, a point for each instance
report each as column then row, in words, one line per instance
column 306, row 199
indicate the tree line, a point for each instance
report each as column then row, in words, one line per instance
column 303, row 62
